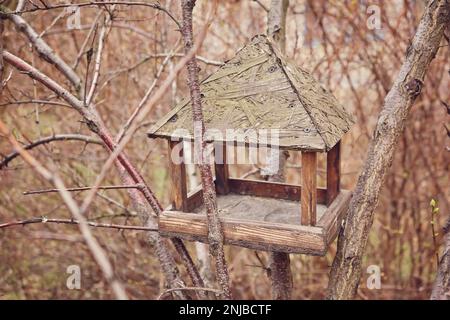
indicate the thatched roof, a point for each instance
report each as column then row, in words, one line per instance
column 260, row 90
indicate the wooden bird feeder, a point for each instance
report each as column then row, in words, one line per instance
column 256, row 91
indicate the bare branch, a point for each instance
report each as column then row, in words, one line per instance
column 35, row 101
column 261, row 5
column 130, row 173
column 166, row 292
column 56, row 137
column 74, row 222
column 44, row 50
column 117, row 157
column 346, row 269
column 86, row 40
column 199, row 58
column 441, row 287
column 215, row 234
column 143, row 100
column 279, row 262
column 45, row 80
column 156, row 6
column 95, row 248
column 134, row 186
column 1, row 53
column 101, row 41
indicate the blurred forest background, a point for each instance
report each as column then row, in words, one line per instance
column 332, row 39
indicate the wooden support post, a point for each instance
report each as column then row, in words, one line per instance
column 333, row 173
column 309, row 188
column 220, row 163
column 177, row 171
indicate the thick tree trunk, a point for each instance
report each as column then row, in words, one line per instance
column 441, row 287
column 279, row 263
column 201, row 249
column 276, row 22
column 215, row 234
column 1, row 55
column 346, row 269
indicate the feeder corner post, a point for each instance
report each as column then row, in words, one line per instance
column 178, row 175
column 221, row 167
column 333, row 173
column 309, row 189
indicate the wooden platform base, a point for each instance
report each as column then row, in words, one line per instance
column 260, row 223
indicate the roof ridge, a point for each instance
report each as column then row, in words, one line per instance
column 316, row 123
column 280, row 59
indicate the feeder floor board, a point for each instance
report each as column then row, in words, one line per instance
column 245, row 207
column 261, row 223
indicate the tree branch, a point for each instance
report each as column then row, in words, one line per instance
column 97, row 252
column 156, row 6
column 133, row 186
column 218, row 292
column 124, row 165
column 43, row 49
column 279, row 262
column 56, row 137
column 441, row 287
column 346, row 269
column 74, row 222
column 215, row 234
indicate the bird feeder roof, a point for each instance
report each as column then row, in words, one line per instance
column 259, row 92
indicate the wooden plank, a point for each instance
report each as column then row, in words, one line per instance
column 276, row 190
column 195, row 199
column 178, row 176
column 249, row 234
column 333, row 173
column 309, row 188
column 289, row 139
column 333, row 216
column 222, row 175
column 161, row 122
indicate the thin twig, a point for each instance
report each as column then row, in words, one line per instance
column 36, row 101
column 216, row 291
column 74, row 222
column 56, row 137
column 130, row 174
column 86, row 40
column 97, row 251
column 156, row 6
column 144, row 100
column 134, row 186
column 261, row 5
column 44, row 50
column 98, row 59
column 215, row 233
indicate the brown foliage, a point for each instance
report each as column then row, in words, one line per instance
column 332, row 41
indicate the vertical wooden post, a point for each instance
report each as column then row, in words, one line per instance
column 221, row 166
column 333, row 173
column 178, row 176
column 309, row 188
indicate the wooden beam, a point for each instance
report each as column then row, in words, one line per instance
column 332, row 218
column 178, row 176
column 195, row 199
column 261, row 235
column 333, row 173
column 221, row 166
column 257, row 235
column 274, row 190
column 309, row 188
